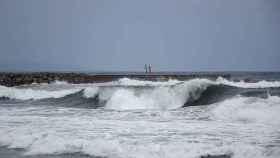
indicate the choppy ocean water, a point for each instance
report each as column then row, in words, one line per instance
column 143, row 119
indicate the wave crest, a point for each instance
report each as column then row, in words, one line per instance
column 243, row 84
column 128, row 94
column 26, row 94
column 158, row 97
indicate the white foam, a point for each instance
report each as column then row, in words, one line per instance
column 164, row 95
column 25, row 94
column 90, row 92
column 220, row 80
column 244, row 126
column 134, row 82
column 57, row 82
column 249, row 109
column 160, row 97
column 106, row 133
column 120, row 149
column 168, row 95
column 242, row 84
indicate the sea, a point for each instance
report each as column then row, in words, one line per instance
column 237, row 117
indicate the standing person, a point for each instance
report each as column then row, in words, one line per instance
column 146, row 68
column 150, row 68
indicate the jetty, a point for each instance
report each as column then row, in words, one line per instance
column 10, row 79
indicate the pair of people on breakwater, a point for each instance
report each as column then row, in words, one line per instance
column 148, row 68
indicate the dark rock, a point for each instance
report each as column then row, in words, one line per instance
column 16, row 79
column 217, row 156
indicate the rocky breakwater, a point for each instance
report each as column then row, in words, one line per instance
column 16, row 79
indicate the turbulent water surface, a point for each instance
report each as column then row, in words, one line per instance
column 141, row 119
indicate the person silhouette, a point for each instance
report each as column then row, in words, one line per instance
column 150, row 68
column 146, row 68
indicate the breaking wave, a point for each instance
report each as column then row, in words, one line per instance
column 160, row 97
column 243, row 84
column 128, row 94
column 26, row 94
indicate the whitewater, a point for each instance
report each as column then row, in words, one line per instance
column 141, row 119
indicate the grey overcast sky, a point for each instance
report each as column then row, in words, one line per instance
column 123, row 35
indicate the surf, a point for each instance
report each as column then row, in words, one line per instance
column 129, row 94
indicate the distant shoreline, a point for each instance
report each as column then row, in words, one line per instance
column 10, row 79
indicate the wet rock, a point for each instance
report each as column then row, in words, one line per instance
column 217, row 156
